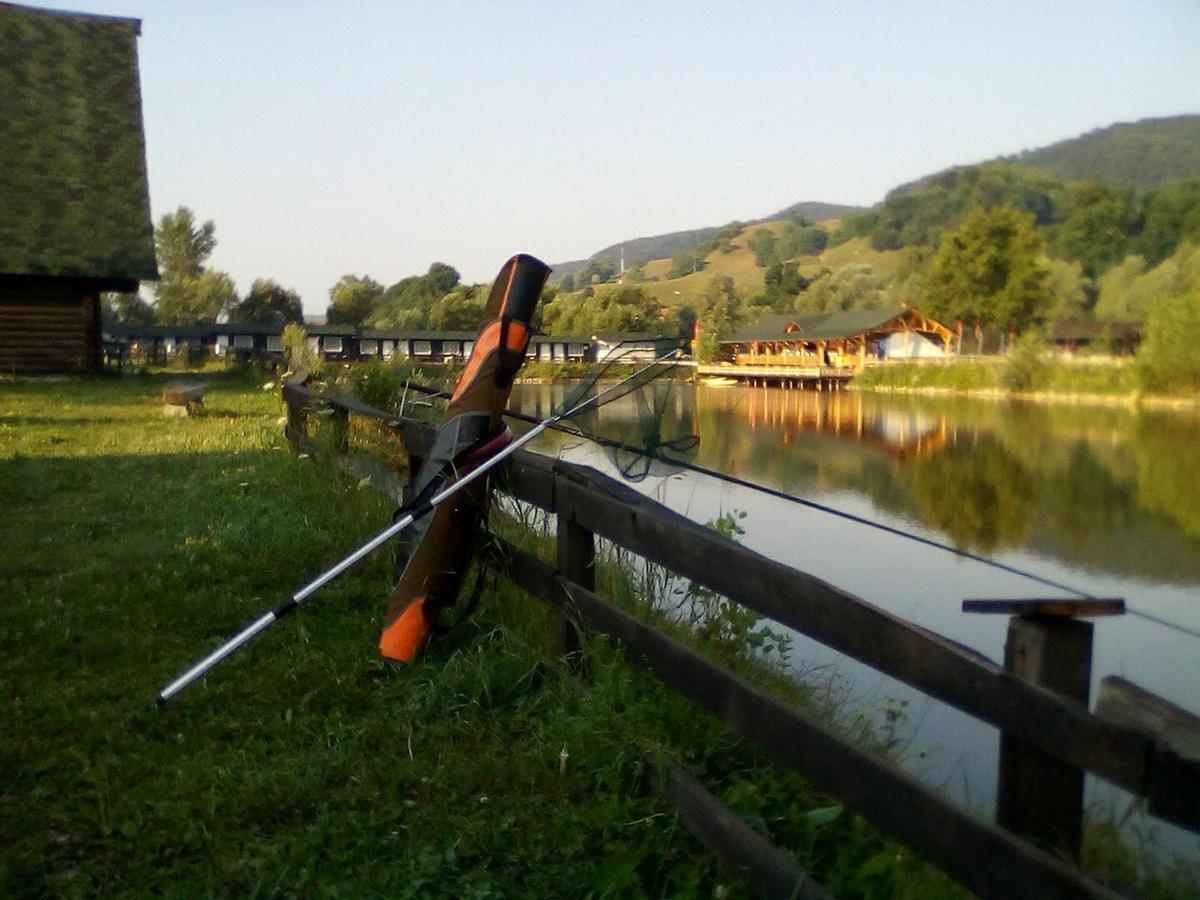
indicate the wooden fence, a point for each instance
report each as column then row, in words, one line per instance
column 1059, row 734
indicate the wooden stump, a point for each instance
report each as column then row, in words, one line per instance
column 183, row 401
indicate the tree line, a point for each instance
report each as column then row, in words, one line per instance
column 190, row 292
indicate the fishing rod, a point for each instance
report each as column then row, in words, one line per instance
column 420, row 510
column 613, row 444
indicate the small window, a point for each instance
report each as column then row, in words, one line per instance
column 314, row 344
column 368, row 348
column 422, row 348
column 243, row 342
column 333, row 345
column 389, row 347
column 576, row 351
column 275, row 343
column 468, row 347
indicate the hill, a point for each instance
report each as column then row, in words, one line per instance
column 1148, row 153
column 664, row 246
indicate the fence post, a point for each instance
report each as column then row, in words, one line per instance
column 340, row 422
column 297, row 422
column 576, row 557
column 1038, row 796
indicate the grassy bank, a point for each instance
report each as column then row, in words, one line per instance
column 134, row 543
column 1016, row 375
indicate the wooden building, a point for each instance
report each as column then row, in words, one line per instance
column 74, row 203
column 843, row 341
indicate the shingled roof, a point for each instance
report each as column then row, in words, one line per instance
column 72, row 153
column 818, row 326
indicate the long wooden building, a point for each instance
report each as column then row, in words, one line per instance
column 74, row 203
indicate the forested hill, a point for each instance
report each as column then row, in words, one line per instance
column 1148, row 153
column 663, row 246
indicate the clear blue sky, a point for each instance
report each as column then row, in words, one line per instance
column 377, row 137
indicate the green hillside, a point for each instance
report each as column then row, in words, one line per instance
column 664, row 246
column 1148, row 153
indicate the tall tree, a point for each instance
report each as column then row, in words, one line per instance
column 182, row 246
column 989, row 271
column 352, row 299
column 187, row 293
column 268, row 303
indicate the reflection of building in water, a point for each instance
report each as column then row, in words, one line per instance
column 902, row 433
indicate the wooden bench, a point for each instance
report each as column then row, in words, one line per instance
column 183, row 400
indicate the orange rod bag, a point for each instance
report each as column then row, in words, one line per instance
column 438, row 547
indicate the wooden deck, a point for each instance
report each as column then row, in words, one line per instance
column 818, row 377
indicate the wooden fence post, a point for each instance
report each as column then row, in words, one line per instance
column 1038, row 796
column 576, row 556
column 297, row 421
column 340, row 422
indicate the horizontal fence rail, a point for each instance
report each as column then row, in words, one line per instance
column 590, row 503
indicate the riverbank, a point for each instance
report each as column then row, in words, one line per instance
column 1003, row 378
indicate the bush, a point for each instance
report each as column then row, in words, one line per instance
column 1168, row 359
column 1024, row 365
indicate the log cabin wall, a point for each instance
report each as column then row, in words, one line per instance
column 47, row 327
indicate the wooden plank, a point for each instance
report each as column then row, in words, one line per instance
column 1174, row 790
column 1124, row 702
column 983, row 857
column 1038, row 796
column 1092, row 606
column 766, row 869
column 941, row 668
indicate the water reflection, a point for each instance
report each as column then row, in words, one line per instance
column 1106, row 499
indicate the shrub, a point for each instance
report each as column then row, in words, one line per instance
column 1168, row 359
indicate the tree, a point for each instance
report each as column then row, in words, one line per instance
column 1167, row 359
column 459, row 310
column 685, row 263
column 441, row 279
column 194, row 300
column 568, row 283
column 126, row 309
column 268, row 303
column 187, row 293
column 989, row 271
column 719, row 314
column 182, row 246
column 352, row 300
column 1100, row 226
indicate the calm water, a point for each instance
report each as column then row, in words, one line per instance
column 1103, row 499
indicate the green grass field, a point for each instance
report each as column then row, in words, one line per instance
column 134, row 543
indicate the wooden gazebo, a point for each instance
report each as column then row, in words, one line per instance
column 840, row 340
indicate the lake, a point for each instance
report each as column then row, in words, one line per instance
column 1102, row 499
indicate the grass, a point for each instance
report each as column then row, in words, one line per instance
column 1100, row 378
column 134, row 543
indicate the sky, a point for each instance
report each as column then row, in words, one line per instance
column 374, row 138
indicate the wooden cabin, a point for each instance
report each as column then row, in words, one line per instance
column 76, row 217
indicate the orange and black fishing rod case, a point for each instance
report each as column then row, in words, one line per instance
column 436, row 551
